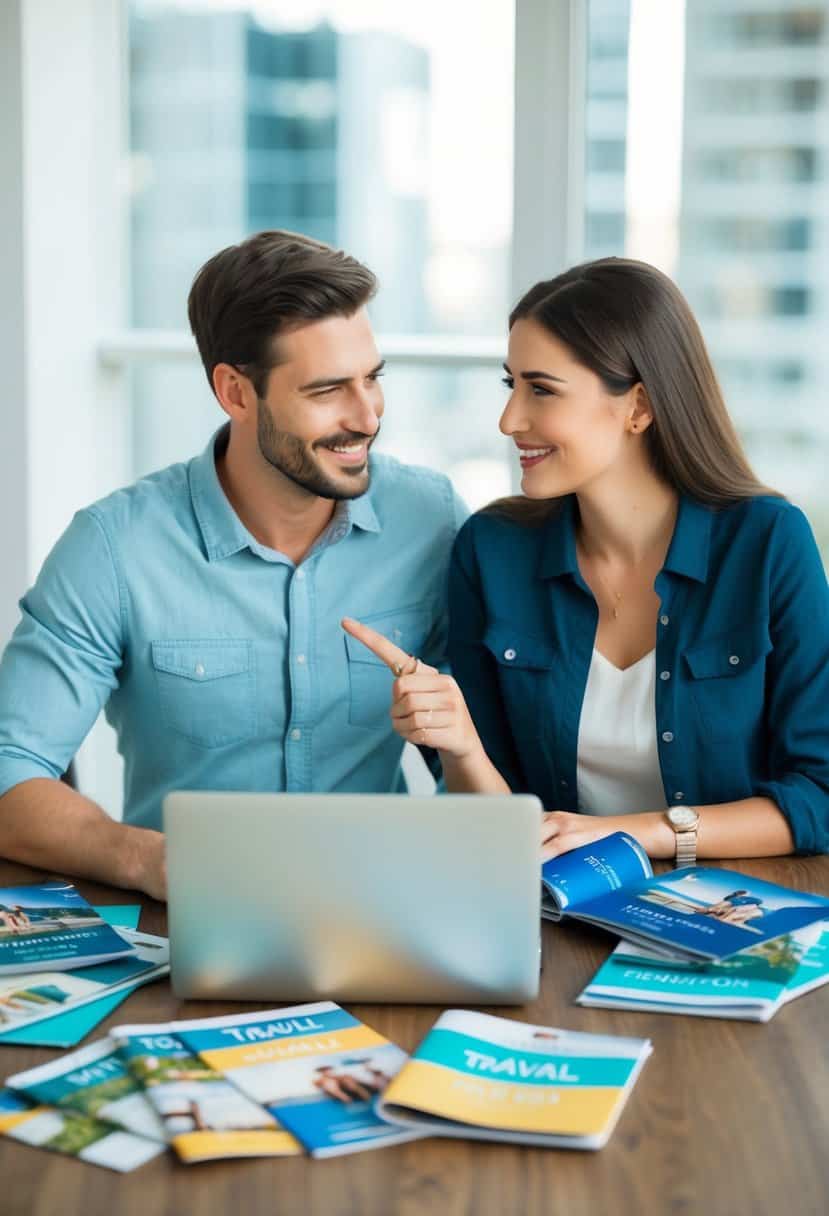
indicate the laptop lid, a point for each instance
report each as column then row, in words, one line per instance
column 368, row 897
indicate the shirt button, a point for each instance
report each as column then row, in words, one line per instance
column 200, row 669
column 300, row 658
column 734, row 659
column 300, row 574
column 509, row 655
column 663, row 620
column 678, row 796
column 296, row 734
column 664, row 675
column 667, row 736
column 563, row 784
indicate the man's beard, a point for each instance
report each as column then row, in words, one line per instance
column 290, row 456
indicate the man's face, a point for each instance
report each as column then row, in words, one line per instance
column 322, row 406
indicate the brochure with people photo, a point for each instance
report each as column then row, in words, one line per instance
column 204, row 1117
column 80, row 1136
column 93, row 1081
column 50, row 927
column 37, row 996
column 694, row 913
column 316, row 1068
column 489, row 1078
column 749, row 986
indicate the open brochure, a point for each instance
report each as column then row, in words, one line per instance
column 36, row 996
column 50, row 927
column 490, row 1078
column 750, row 986
column 204, row 1117
column 694, row 913
column 92, row 1081
column 314, row 1067
column 80, row 1136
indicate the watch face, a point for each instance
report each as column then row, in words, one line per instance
column 683, row 816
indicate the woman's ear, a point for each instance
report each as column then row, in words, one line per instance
column 640, row 414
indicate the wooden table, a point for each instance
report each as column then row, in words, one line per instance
column 727, row 1118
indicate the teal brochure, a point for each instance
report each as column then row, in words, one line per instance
column 67, row 1029
column 50, row 927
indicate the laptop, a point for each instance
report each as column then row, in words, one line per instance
column 354, row 897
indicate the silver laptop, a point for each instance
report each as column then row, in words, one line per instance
column 380, row 897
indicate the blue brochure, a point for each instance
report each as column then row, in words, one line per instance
column 50, row 927
column 67, row 1029
column 693, row 913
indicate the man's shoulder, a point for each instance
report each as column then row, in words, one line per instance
column 412, row 486
column 144, row 502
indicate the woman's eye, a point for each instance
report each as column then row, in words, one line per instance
column 508, row 381
column 540, row 390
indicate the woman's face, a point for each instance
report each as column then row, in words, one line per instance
column 568, row 429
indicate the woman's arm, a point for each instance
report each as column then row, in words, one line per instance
column 752, row 827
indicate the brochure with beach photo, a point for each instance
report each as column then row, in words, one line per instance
column 204, row 1117
column 749, row 986
column 80, row 1136
column 32, row 997
column 93, row 1081
column 316, row 1068
column 50, row 927
column 695, row 914
column 488, row 1078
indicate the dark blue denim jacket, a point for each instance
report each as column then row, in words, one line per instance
column 742, row 656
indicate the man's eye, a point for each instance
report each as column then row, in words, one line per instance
column 376, row 375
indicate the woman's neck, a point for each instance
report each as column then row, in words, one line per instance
column 627, row 523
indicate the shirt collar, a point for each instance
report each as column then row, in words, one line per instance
column 687, row 554
column 223, row 532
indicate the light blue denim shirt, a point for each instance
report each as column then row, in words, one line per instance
column 220, row 663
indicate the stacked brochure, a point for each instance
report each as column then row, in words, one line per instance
column 82, row 1136
column 201, row 1115
column 315, row 1068
column 31, row 997
column 695, row 914
column 490, row 1078
column 50, row 927
column 750, row 986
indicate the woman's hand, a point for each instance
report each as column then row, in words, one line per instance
column 427, row 708
column 562, row 831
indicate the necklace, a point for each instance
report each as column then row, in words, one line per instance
column 614, row 596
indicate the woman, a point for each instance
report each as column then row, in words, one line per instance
column 642, row 640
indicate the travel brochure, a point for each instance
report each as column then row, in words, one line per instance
column 36, row 996
column 50, row 927
column 695, row 914
column 317, row 1069
column 490, row 1078
column 81, row 1136
column 93, row 1081
column 203, row 1116
column 72, row 1024
column 750, row 986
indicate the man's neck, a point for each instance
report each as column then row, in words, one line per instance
column 278, row 513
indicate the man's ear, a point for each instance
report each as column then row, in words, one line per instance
column 234, row 391
column 640, row 415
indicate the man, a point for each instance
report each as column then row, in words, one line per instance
column 201, row 606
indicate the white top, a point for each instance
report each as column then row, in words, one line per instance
column 618, row 762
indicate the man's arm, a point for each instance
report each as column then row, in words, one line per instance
column 46, row 824
column 56, row 673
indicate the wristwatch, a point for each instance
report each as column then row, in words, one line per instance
column 684, row 820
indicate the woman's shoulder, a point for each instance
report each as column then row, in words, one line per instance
column 766, row 517
column 513, row 526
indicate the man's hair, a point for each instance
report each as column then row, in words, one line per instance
column 244, row 297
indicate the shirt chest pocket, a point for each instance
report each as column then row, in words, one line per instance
column 207, row 689
column 728, row 679
column 369, row 679
column 524, row 665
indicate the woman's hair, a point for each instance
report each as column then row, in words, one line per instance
column 629, row 324
column 245, row 296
